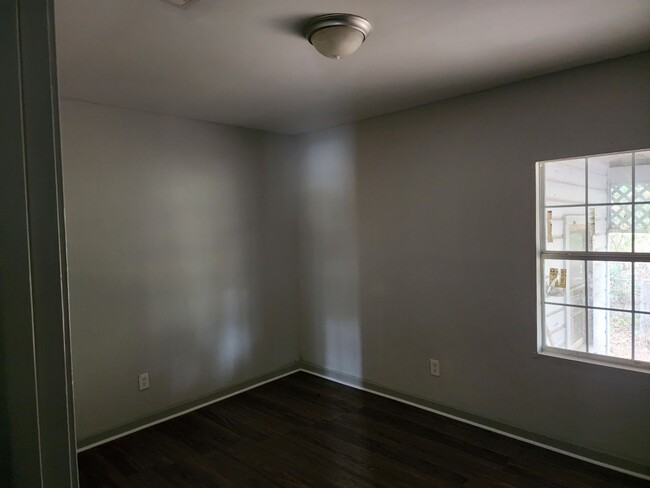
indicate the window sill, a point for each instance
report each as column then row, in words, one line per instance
column 636, row 366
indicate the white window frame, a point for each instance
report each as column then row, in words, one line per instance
column 585, row 256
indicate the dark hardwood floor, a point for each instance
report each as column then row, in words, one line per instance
column 304, row 431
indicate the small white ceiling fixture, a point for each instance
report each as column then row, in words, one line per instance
column 337, row 35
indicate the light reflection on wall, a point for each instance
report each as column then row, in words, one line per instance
column 164, row 254
column 329, row 253
column 199, row 280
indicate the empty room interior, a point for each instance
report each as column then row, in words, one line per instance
column 356, row 243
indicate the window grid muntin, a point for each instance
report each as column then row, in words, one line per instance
column 587, row 256
column 632, row 310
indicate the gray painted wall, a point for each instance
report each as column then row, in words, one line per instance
column 414, row 235
column 418, row 242
column 173, row 268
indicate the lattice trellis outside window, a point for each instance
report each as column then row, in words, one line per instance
column 620, row 217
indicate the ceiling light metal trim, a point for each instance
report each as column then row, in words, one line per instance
column 335, row 20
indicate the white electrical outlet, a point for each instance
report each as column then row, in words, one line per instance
column 143, row 381
column 434, row 365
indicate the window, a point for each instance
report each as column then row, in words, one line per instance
column 594, row 258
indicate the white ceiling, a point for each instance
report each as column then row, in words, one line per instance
column 243, row 62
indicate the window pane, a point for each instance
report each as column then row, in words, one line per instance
column 642, row 287
column 600, row 205
column 642, row 228
column 610, row 333
column 565, row 327
column 609, row 284
column 642, row 176
column 566, row 231
column 573, row 291
column 564, row 182
column 642, row 337
column 610, row 178
column 610, row 228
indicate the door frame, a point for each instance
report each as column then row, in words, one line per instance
column 37, row 445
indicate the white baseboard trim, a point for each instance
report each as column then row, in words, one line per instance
column 375, row 392
column 476, row 424
column 188, row 410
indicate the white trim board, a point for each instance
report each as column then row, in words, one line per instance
column 482, row 426
column 375, row 392
column 187, row 410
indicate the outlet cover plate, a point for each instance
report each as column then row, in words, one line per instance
column 434, row 366
column 143, row 381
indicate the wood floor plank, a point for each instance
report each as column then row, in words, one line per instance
column 299, row 407
column 382, row 447
column 380, row 470
column 425, row 447
column 241, row 429
column 259, row 418
column 331, row 399
column 304, row 431
column 318, row 466
column 267, row 461
column 238, row 473
column 95, row 470
column 349, row 396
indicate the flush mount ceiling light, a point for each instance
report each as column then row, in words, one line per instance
column 337, row 35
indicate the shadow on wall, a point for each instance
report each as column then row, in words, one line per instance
column 329, row 254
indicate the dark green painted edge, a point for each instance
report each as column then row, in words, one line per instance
column 36, row 418
column 613, row 461
column 20, row 458
column 47, row 249
column 178, row 409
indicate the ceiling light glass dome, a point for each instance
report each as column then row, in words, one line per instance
column 337, row 35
